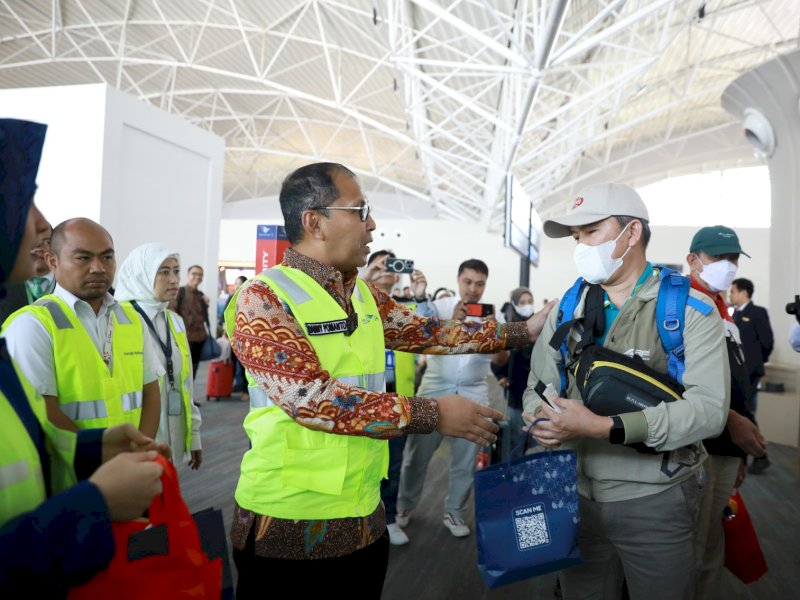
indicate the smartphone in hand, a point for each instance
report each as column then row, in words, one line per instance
column 477, row 309
column 548, row 396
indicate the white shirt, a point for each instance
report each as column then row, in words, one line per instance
column 463, row 374
column 31, row 346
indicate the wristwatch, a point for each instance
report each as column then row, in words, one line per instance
column 617, row 433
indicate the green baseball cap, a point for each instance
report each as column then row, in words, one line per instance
column 716, row 241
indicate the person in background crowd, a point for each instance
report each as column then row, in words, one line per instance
column 239, row 381
column 513, row 367
column 442, row 293
column 23, row 293
column 148, row 280
column 757, row 342
column 59, row 491
column 192, row 305
column 794, row 337
column 400, row 371
column 713, row 260
column 464, row 375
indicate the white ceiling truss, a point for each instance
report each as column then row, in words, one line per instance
column 430, row 99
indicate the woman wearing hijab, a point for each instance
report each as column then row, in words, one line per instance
column 55, row 532
column 149, row 279
column 513, row 375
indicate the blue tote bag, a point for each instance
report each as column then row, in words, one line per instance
column 526, row 516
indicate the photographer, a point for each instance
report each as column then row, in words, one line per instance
column 400, row 368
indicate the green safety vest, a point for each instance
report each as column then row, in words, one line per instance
column 21, row 480
column 292, row 472
column 185, row 382
column 404, row 371
column 178, row 330
column 87, row 393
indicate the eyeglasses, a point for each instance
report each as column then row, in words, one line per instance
column 363, row 211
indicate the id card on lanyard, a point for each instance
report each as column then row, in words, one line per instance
column 174, row 397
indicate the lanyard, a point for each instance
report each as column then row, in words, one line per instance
column 108, row 342
column 166, row 348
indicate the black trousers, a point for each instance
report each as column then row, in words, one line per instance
column 195, row 348
column 357, row 575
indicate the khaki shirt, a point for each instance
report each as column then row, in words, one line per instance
column 608, row 472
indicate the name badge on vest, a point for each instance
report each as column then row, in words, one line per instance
column 346, row 326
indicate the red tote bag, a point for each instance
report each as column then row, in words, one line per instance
column 157, row 558
column 743, row 556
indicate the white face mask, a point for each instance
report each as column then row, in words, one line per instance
column 718, row 275
column 594, row 263
column 526, row 310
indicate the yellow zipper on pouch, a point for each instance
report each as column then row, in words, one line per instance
column 639, row 374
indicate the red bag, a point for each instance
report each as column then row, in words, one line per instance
column 159, row 558
column 743, row 556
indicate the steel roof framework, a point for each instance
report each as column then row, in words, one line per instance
column 422, row 98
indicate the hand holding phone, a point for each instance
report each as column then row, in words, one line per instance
column 548, row 396
column 476, row 309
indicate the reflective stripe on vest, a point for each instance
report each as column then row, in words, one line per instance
column 81, row 375
column 13, row 473
column 131, row 401
column 22, row 487
column 296, row 472
column 294, row 291
column 86, row 409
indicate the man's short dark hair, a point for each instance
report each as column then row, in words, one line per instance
column 189, row 270
column 624, row 220
column 379, row 254
column 475, row 265
column 308, row 187
column 241, row 278
column 744, row 285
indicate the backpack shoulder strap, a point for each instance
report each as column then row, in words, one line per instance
column 564, row 323
column 673, row 297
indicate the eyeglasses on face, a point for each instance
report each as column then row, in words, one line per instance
column 363, row 211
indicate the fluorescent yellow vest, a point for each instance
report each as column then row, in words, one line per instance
column 292, row 472
column 21, row 481
column 178, row 330
column 87, row 393
column 403, row 364
column 404, row 373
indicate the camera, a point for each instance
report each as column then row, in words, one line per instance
column 399, row 265
column 793, row 308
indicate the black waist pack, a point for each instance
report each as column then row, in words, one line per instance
column 611, row 383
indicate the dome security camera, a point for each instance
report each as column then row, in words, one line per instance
column 759, row 133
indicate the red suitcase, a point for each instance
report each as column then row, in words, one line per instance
column 220, row 380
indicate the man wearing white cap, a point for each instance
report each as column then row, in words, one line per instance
column 637, row 508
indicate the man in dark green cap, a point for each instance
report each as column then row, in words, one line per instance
column 713, row 259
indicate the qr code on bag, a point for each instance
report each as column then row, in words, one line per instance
column 530, row 523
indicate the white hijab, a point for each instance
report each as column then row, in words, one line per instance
column 136, row 277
